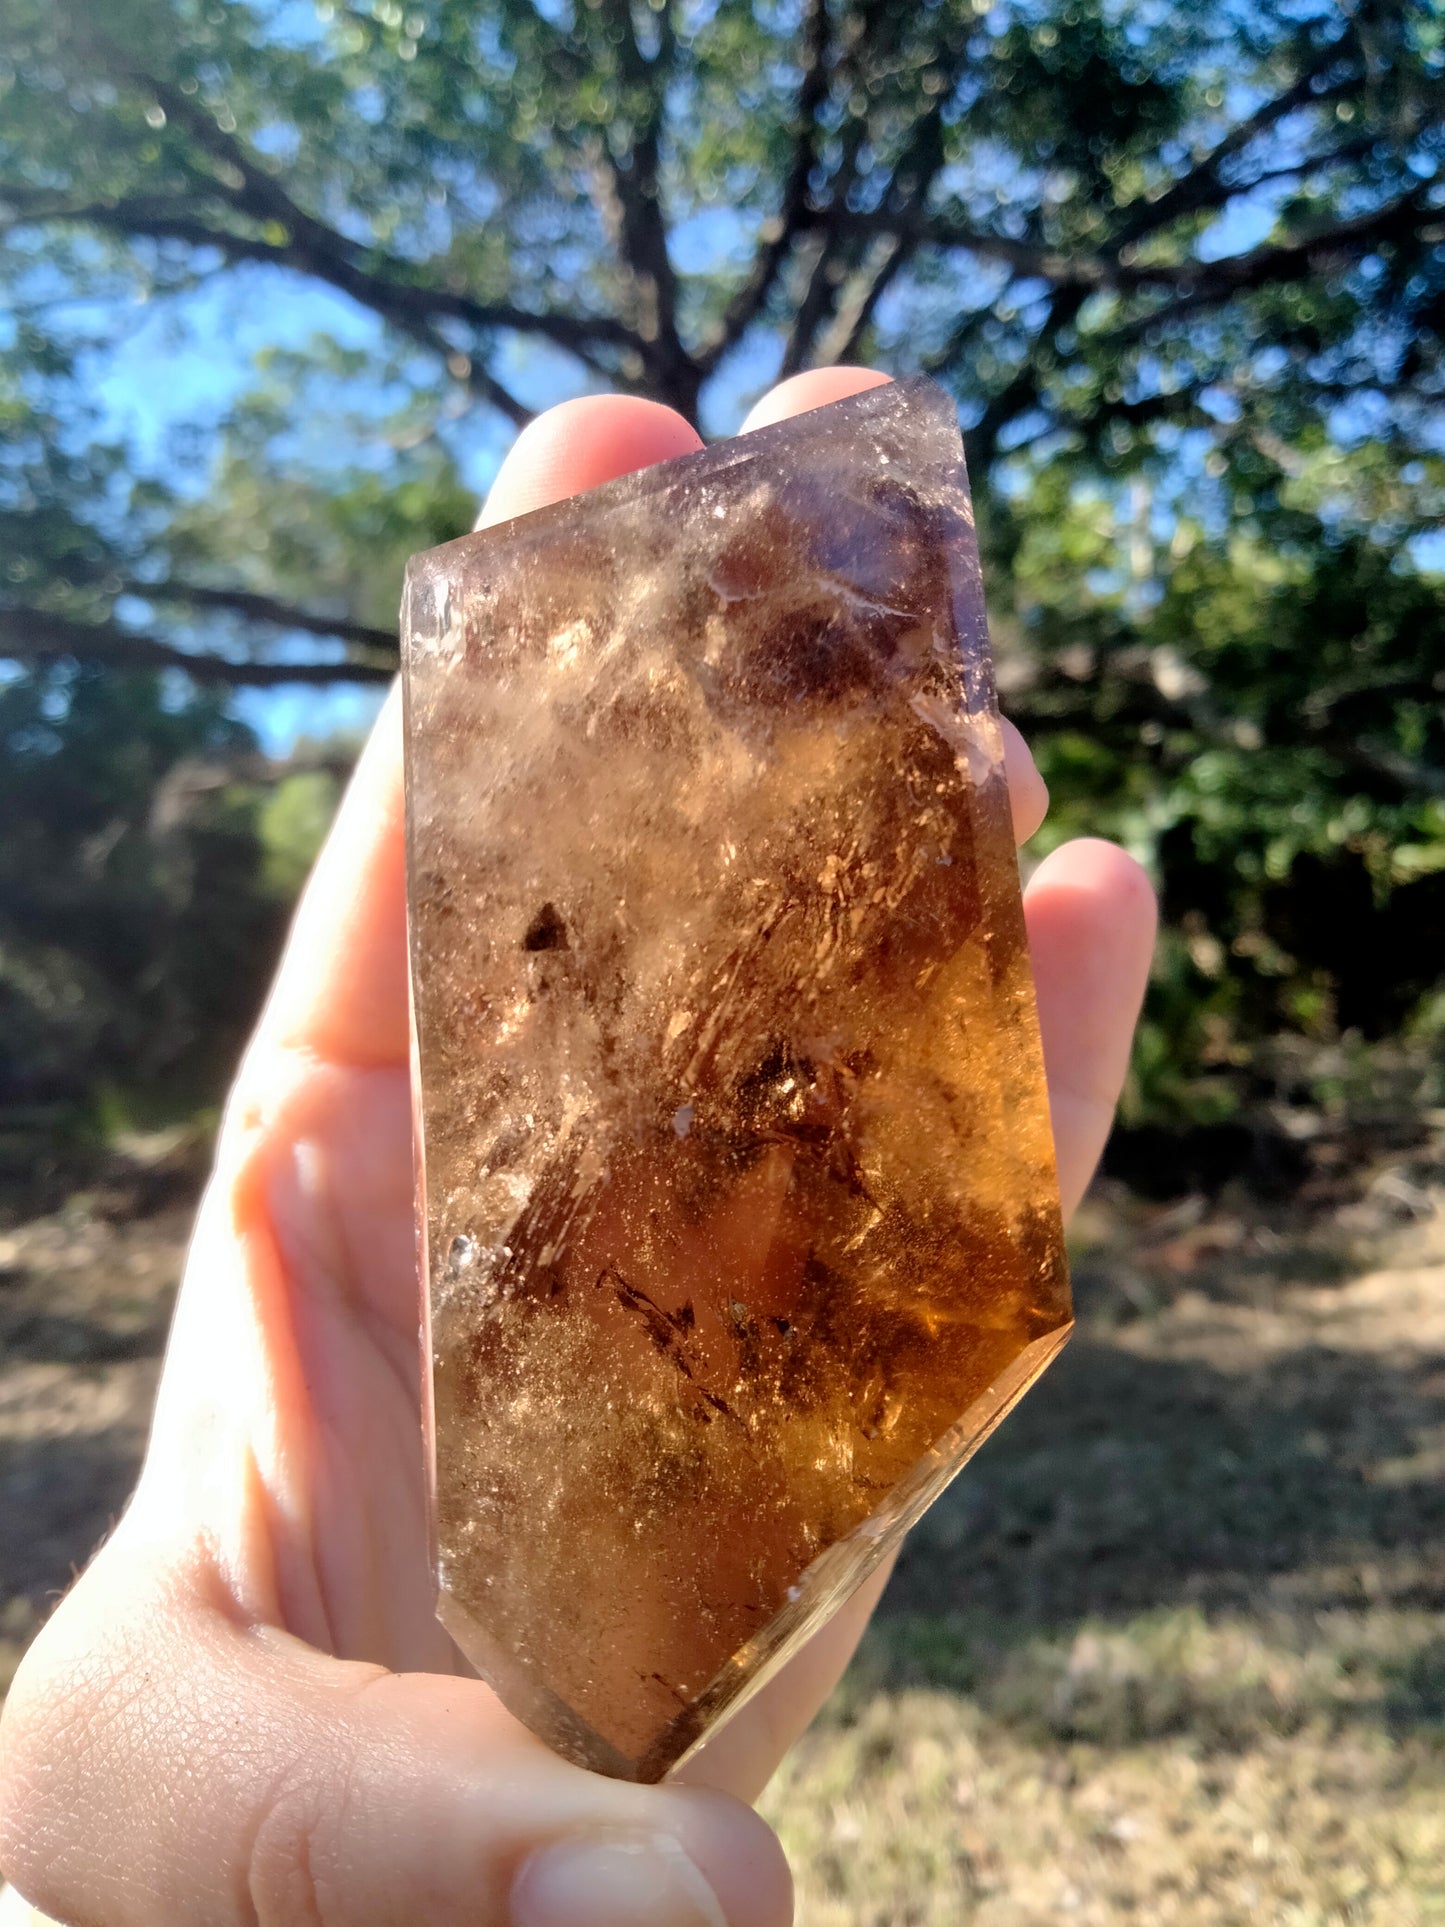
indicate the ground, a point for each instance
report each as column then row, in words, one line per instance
column 1171, row 1650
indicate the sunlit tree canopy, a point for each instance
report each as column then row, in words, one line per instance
column 1181, row 264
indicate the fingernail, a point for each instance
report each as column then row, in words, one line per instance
column 614, row 1880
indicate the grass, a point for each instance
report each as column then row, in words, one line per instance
column 1162, row 1771
column 1172, row 1649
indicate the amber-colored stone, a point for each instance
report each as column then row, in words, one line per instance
column 741, row 1215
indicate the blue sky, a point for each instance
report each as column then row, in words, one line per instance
column 183, row 367
column 183, row 364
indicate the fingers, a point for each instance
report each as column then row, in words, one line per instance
column 812, row 389
column 174, row 1765
column 1091, row 918
column 341, row 991
column 581, row 444
column 1028, row 793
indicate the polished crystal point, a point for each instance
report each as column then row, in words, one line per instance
column 741, row 1222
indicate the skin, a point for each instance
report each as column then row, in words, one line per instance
column 245, row 1710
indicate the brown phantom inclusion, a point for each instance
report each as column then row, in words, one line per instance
column 741, row 1217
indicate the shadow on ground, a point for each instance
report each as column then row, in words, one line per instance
column 1127, row 1482
column 62, row 1495
column 1221, row 1518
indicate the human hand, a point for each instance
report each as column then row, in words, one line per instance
column 246, row 1710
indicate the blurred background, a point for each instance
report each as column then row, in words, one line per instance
column 279, row 282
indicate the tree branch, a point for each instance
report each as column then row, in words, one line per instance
column 144, row 220
column 1032, row 258
column 1201, row 285
column 960, row 337
column 405, row 303
column 1206, row 280
column 780, row 234
column 850, row 324
column 263, row 608
column 120, row 216
column 909, row 185
column 1138, row 700
column 634, row 179
column 36, row 635
column 471, row 371
column 1025, row 386
column 811, row 312
column 375, row 280
column 899, row 210
column 826, row 276
column 1198, row 188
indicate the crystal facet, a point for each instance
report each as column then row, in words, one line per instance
column 740, row 1209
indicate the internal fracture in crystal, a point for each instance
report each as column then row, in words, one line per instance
column 740, row 1208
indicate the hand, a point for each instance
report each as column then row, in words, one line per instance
column 246, row 1711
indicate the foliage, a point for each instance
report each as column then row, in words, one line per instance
column 291, row 826
column 145, row 881
column 1261, row 722
column 1182, row 266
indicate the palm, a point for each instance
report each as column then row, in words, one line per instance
column 342, row 1215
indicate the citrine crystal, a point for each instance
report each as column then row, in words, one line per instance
column 740, row 1208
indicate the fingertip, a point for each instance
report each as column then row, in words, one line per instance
column 1091, row 916
column 737, row 1853
column 1091, row 866
column 1028, row 793
column 580, row 444
column 814, row 388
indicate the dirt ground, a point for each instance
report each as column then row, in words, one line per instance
column 85, row 1301
column 1171, row 1650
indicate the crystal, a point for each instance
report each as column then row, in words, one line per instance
column 740, row 1204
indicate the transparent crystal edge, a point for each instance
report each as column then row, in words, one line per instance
column 819, row 1592
column 838, row 1572
column 720, row 457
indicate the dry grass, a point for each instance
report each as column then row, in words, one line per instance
column 1166, row 1770
column 84, row 1305
column 1171, row 1651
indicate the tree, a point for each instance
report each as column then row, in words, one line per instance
column 136, row 918
column 1097, row 224
column 1182, row 266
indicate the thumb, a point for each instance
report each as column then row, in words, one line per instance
column 165, row 1761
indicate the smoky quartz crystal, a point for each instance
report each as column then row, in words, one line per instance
column 741, row 1226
